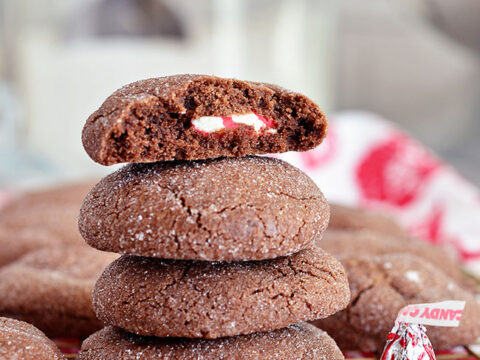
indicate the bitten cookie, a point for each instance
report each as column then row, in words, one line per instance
column 193, row 117
column 247, row 208
column 150, row 296
column 365, row 242
column 351, row 218
column 51, row 288
column 381, row 286
column 22, row 341
column 300, row 341
column 41, row 219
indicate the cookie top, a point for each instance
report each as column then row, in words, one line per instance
column 381, row 286
column 51, row 288
column 194, row 117
column 247, row 208
column 300, row 341
column 351, row 218
column 22, row 341
column 150, row 296
column 41, row 219
column 367, row 242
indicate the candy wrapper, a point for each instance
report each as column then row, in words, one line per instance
column 367, row 161
column 408, row 339
column 408, row 342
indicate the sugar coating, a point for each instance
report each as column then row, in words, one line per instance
column 300, row 341
column 22, row 341
column 150, row 296
column 249, row 208
column 51, row 288
column 413, row 276
column 381, row 286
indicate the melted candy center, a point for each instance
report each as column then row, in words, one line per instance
column 210, row 124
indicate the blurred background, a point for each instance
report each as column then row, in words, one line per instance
column 414, row 62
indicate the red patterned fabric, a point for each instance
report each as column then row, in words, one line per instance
column 369, row 162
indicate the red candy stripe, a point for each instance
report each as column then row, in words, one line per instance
column 228, row 122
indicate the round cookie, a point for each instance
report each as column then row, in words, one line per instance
column 351, row 218
column 41, row 219
column 51, row 288
column 149, row 296
column 367, row 242
column 381, row 286
column 250, row 208
column 194, row 117
column 22, row 341
column 300, row 341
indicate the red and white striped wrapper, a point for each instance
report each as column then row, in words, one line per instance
column 408, row 342
column 408, row 339
column 369, row 162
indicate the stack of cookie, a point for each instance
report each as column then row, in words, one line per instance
column 220, row 248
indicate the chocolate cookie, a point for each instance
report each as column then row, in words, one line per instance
column 150, row 296
column 381, row 286
column 351, row 218
column 194, row 117
column 22, row 341
column 300, row 341
column 41, row 219
column 18, row 242
column 247, row 208
column 51, row 288
column 367, row 242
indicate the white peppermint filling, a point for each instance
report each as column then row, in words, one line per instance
column 250, row 120
column 209, row 124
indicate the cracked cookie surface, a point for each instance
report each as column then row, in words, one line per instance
column 22, row 341
column 154, row 120
column 381, row 286
column 51, row 288
column 195, row 299
column 249, row 208
column 300, row 341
